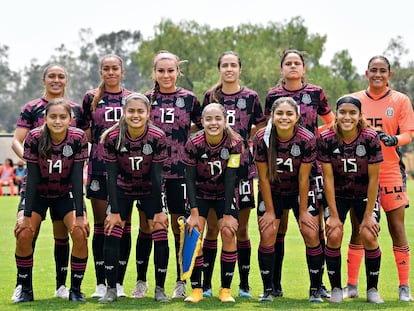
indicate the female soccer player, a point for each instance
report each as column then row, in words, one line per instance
column 284, row 159
column 312, row 103
column 350, row 154
column 54, row 79
column 212, row 158
column 55, row 154
column 134, row 152
column 174, row 110
column 391, row 113
column 102, row 108
column 244, row 113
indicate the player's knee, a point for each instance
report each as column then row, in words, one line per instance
column 25, row 238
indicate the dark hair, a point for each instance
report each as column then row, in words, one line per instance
column 46, row 70
column 273, row 138
column 163, row 54
column 121, row 124
column 10, row 161
column 362, row 123
column 380, row 57
column 45, row 142
column 283, row 57
column 216, row 91
column 101, row 87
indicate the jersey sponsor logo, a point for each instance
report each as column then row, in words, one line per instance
column 389, row 112
column 234, row 161
column 295, row 150
column 204, row 156
column 241, row 103
column 147, row 149
column 337, row 151
column 360, row 151
column 224, row 154
column 67, row 151
column 179, row 102
column 123, row 149
column 306, row 99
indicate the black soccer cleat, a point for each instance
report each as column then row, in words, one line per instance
column 76, row 295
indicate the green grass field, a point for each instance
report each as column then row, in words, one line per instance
column 295, row 280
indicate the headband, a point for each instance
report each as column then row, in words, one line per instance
column 348, row 100
column 166, row 55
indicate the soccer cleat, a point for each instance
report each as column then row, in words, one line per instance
column 120, row 291
column 208, row 293
column 404, row 293
column 62, row 292
column 196, row 295
column 225, row 295
column 315, row 295
column 76, row 295
column 160, row 295
column 266, row 297
column 99, row 291
column 179, row 290
column 111, row 295
column 245, row 293
column 278, row 292
column 17, row 291
column 336, row 295
column 25, row 295
column 324, row 292
column 140, row 290
column 373, row 296
column 351, row 291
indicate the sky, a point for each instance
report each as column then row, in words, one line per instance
column 34, row 29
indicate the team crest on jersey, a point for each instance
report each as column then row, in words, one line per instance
column 389, row 112
column 147, row 149
column 67, row 151
column 241, row 103
column 295, row 150
column 94, row 185
column 306, row 99
column 224, row 154
column 179, row 102
column 360, row 151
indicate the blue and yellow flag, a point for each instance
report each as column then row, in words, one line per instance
column 189, row 248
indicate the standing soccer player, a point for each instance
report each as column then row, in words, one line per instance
column 174, row 110
column 102, row 108
column 312, row 103
column 391, row 113
column 54, row 79
column 244, row 113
